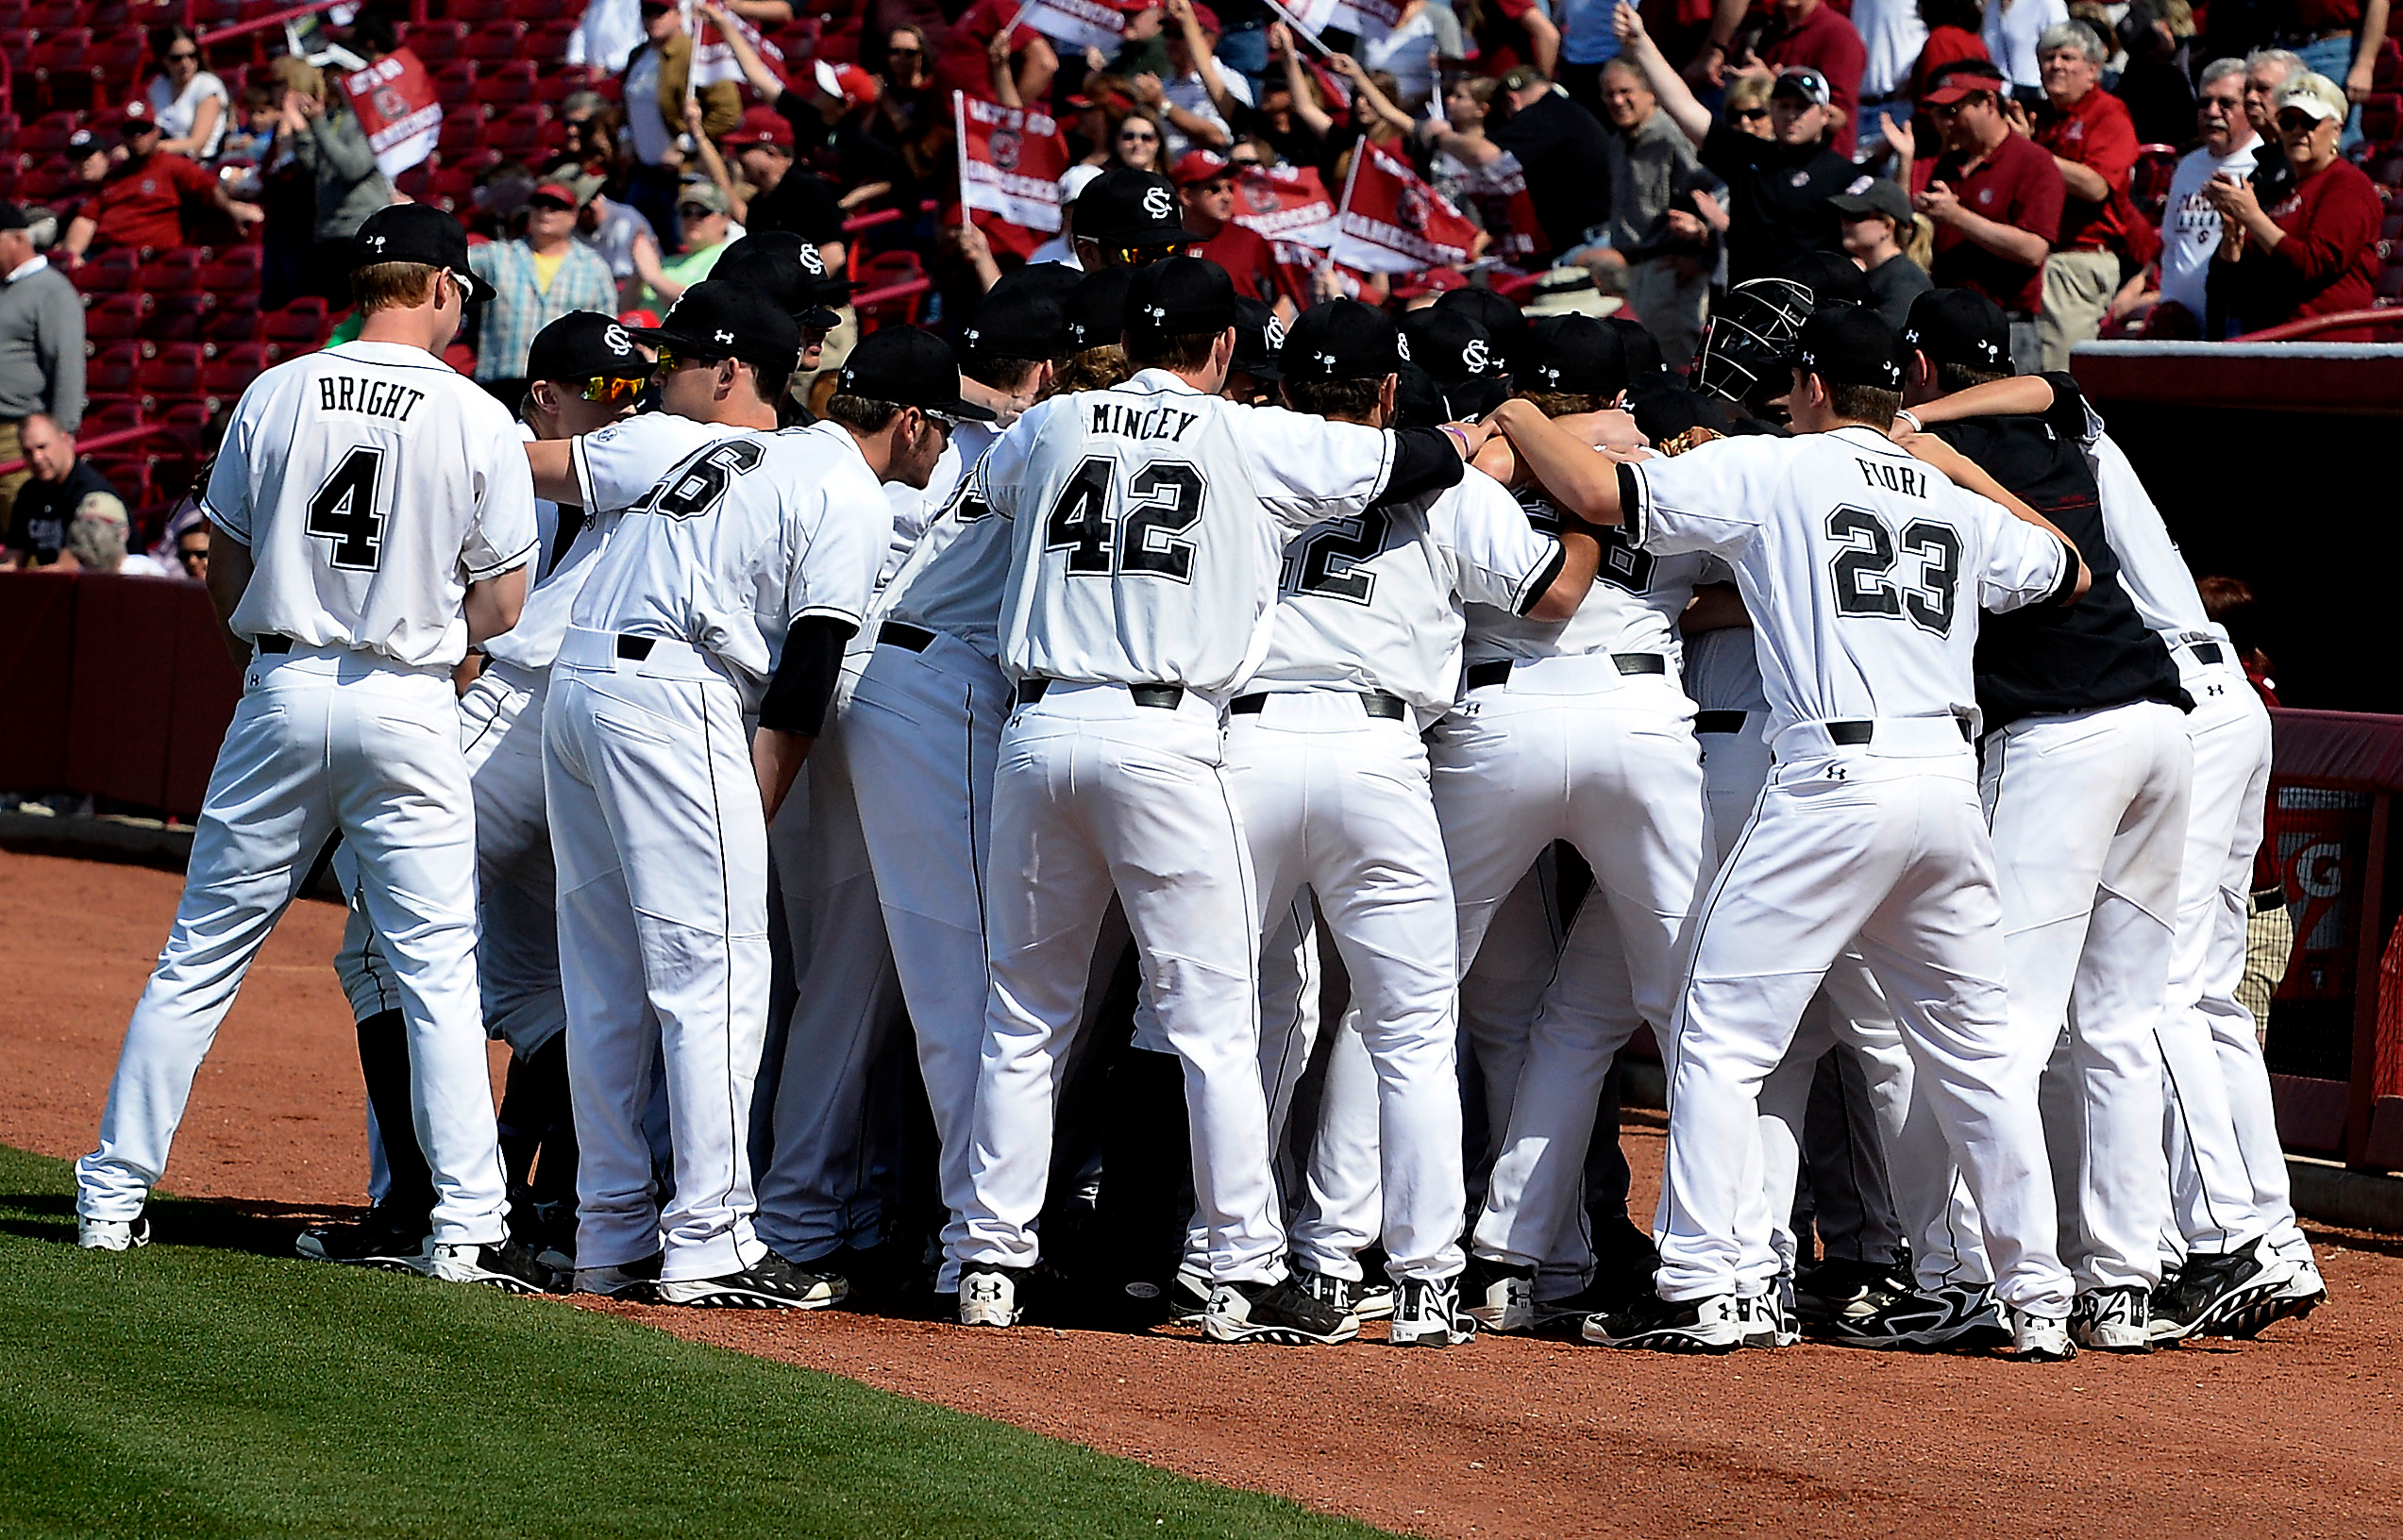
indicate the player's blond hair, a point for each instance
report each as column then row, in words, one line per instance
column 1094, row 369
column 1565, row 403
column 391, row 286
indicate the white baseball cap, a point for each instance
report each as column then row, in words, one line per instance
column 2316, row 95
column 1077, row 181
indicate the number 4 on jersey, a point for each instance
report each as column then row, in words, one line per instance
column 344, row 512
column 1167, row 498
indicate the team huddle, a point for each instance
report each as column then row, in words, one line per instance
column 1844, row 715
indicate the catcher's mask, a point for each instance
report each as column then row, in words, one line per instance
column 1750, row 338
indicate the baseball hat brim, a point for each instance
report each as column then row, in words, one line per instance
column 1960, row 88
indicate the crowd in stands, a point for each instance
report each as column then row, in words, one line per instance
column 179, row 197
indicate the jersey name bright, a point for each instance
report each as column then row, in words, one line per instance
column 1128, row 422
column 375, row 397
column 1902, row 478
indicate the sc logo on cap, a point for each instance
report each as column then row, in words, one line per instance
column 1402, row 346
column 615, row 339
column 810, row 260
column 1473, row 357
column 1157, row 203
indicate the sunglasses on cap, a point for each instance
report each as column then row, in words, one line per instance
column 550, row 205
column 603, row 388
column 694, row 211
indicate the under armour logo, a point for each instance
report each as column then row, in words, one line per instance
column 1158, row 202
column 1401, row 346
column 1474, row 358
column 1910, row 335
column 615, row 339
column 724, row 336
column 1810, row 360
column 1835, row 772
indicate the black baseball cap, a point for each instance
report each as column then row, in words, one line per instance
column 1644, row 360
column 1851, row 345
column 1957, row 325
column 1577, row 355
column 1343, row 339
column 417, row 233
column 1663, row 412
column 1182, row 296
column 789, row 270
column 1258, row 338
column 1832, row 277
column 908, row 367
column 1503, row 321
column 1451, row 345
column 1096, row 311
column 719, row 319
column 1023, row 322
column 1883, row 196
column 1805, row 81
column 1055, row 281
column 585, row 345
column 1123, row 206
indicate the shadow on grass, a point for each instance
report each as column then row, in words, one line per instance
column 264, row 1229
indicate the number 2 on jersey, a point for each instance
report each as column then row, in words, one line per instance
column 344, row 512
column 1165, row 502
column 1864, row 566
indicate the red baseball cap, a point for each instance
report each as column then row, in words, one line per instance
column 1208, row 18
column 1962, row 81
column 558, row 189
column 1435, row 280
column 761, row 126
column 1200, row 167
column 846, row 83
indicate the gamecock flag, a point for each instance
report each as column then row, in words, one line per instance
column 1392, row 221
column 712, row 60
column 399, row 109
column 1498, row 191
column 1079, row 24
column 1011, row 162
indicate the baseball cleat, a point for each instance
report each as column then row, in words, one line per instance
column 1189, row 1295
column 637, row 1281
column 1281, row 1313
column 2302, row 1293
column 1768, row 1318
column 2113, row 1320
column 1341, row 1295
column 2216, row 1287
column 1841, row 1288
column 1499, row 1294
column 2039, row 1339
column 510, row 1267
column 1713, row 1324
column 1956, row 1318
column 1374, row 1299
column 769, row 1283
column 989, row 1295
column 113, row 1234
column 1603, row 1297
column 1428, row 1315
column 392, row 1241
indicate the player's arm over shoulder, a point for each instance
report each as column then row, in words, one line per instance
column 1713, row 497
column 2016, row 533
column 1305, row 469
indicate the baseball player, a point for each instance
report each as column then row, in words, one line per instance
column 1568, row 729
column 376, row 518
column 586, row 374
column 1331, row 781
column 2238, row 1260
column 736, row 581
column 1850, row 555
column 1145, row 520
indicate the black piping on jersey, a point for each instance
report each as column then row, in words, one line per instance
column 2186, row 1124
column 1540, row 582
column 1631, row 503
column 507, row 563
column 1424, row 461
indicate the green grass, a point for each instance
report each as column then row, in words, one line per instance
column 213, row 1388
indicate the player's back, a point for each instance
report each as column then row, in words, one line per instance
column 952, row 578
column 1863, row 568
column 359, row 477
column 1632, row 608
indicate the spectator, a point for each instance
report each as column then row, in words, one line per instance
column 1994, row 198
column 1893, row 36
column 1656, row 233
column 1205, row 187
column 189, row 103
column 89, row 154
column 2011, row 30
column 96, row 536
column 1587, row 43
column 1061, row 248
column 1460, row 136
column 192, row 551
column 1557, row 145
column 1746, row 105
column 1810, row 34
column 141, row 203
column 1777, row 187
column 828, row 135
column 1137, row 144
column 2155, row 82
column 651, row 90
column 606, row 35
column 1196, row 101
column 2266, row 75
column 40, row 348
column 965, row 63
column 708, row 227
column 535, row 279
column 1407, row 51
column 330, row 145
column 1511, row 33
column 2315, row 251
column 251, row 138
column 2092, row 143
column 2345, row 36
column 1878, row 222
column 782, row 196
column 1291, row 118
column 614, row 231
column 57, row 481
column 1952, row 39
column 584, row 129
column 2190, row 225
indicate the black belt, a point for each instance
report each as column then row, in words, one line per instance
column 635, row 649
column 913, row 638
column 2266, row 899
column 2206, row 652
column 273, row 645
column 1719, row 720
column 1166, row 697
column 1375, row 702
column 1854, row 734
column 1481, row 674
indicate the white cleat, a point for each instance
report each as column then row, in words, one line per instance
column 2039, row 1339
column 112, row 1234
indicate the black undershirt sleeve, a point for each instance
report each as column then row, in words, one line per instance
column 805, row 678
column 1424, row 460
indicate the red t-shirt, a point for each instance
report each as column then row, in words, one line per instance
column 142, row 205
column 1944, row 45
column 1501, row 38
column 1827, row 42
column 961, row 62
column 1247, row 257
column 2328, row 261
column 2097, row 133
column 2017, row 185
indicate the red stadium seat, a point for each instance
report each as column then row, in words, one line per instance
column 475, row 11
column 462, row 131
column 495, row 43
column 300, row 323
column 436, row 42
column 175, row 318
column 57, row 15
column 233, row 322
column 116, row 416
column 116, row 317
column 110, row 370
column 518, row 132
column 128, row 474
column 547, row 42
column 455, row 82
column 47, row 181
column 173, row 370
column 48, row 133
column 232, row 369
column 190, row 419
column 112, row 272
column 115, row 61
column 173, row 271
column 235, row 270
column 2382, row 119
column 507, row 86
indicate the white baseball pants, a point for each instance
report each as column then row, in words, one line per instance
column 1880, row 846
column 923, row 730
column 324, row 739
column 1571, row 748
column 1337, row 801
column 662, row 846
column 2088, row 815
column 2227, row 1171
column 1093, row 794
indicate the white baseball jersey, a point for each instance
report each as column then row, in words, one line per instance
column 915, row 509
column 1881, row 542
column 1633, row 606
column 1368, row 602
column 742, row 538
column 1722, row 670
column 323, row 453
column 1147, row 525
column 953, row 578
column 556, row 573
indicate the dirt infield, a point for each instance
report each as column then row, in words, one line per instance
column 2295, row 1434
